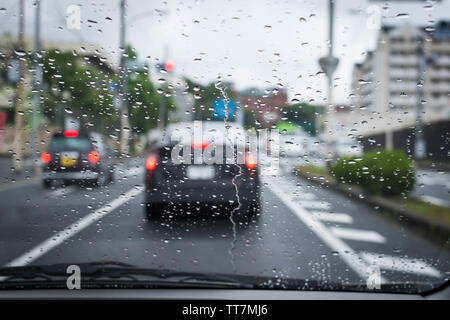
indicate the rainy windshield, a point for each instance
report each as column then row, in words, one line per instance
column 64, row 144
column 286, row 144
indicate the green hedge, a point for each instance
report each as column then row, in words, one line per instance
column 385, row 172
column 347, row 170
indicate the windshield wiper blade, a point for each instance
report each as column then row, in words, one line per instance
column 106, row 270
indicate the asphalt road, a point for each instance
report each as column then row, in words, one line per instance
column 303, row 231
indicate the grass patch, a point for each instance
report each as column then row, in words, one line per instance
column 439, row 212
column 311, row 169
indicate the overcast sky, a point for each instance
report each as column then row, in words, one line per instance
column 249, row 42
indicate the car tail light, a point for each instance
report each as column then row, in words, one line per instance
column 70, row 133
column 45, row 157
column 93, row 157
column 150, row 163
column 250, row 161
column 200, row 144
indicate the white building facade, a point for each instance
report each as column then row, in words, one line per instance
column 386, row 85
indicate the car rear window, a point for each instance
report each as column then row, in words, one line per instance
column 65, row 144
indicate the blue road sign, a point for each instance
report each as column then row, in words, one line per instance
column 219, row 109
column 113, row 86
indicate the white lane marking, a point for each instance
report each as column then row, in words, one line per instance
column 434, row 200
column 73, row 229
column 314, row 204
column 332, row 217
column 401, row 264
column 358, row 235
column 61, row 192
column 350, row 257
column 304, row 196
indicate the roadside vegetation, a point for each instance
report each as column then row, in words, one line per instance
column 385, row 173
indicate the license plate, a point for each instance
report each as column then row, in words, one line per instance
column 68, row 162
column 200, row 172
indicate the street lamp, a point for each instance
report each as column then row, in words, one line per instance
column 328, row 65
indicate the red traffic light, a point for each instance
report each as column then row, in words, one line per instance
column 169, row 65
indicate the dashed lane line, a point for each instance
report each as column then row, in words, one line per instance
column 358, row 234
column 407, row 265
column 347, row 254
column 332, row 217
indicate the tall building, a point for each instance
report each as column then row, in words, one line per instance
column 386, row 89
column 387, row 78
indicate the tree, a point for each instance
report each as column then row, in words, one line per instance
column 205, row 96
column 74, row 86
column 144, row 99
column 301, row 114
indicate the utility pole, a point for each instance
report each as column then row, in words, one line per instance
column 419, row 141
column 162, row 111
column 19, row 112
column 330, row 48
column 123, row 96
column 37, row 80
column 329, row 64
column 162, row 103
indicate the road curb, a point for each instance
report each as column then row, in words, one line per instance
column 429, row 227
column 434, row 165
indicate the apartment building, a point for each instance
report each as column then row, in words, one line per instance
column 386, row 86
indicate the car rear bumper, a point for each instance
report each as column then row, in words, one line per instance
column 200, row 192
column 70, row 175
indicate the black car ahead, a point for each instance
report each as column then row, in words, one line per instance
column 197, row 182
column 76, row 157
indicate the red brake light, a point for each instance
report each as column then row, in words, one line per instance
column 70, row 133
column 150, row 163
column 250, row 161
column 200, row 144
column 93, row 157
column 45, row 157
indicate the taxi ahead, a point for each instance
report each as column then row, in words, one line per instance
column 74, row 156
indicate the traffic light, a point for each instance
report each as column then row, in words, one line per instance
column 169, row 65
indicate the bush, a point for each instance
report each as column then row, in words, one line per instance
column 385, row 172
column 347, row 170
